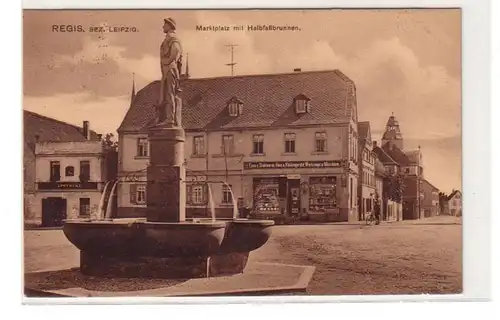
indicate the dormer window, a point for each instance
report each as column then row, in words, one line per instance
column 235, row 107
column 301, row 104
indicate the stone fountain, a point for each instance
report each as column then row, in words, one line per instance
column 167, row 254
column 166, row 244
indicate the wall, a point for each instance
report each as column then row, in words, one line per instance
column 274, row 147
column 68, row 154
column 455, row 205
column 241, row 179
column 73, row 202
column 430, row 201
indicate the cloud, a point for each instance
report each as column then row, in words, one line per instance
column 105, row 114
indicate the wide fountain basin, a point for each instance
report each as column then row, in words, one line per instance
column 184, row 239
column 111, row 237
column 243, row 235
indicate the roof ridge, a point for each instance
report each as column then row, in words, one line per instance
column 336, row 71
column 52, row 119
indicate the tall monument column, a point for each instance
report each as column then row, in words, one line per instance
column 166, row 173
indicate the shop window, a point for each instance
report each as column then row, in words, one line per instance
column 322, row 193
column 266, row 192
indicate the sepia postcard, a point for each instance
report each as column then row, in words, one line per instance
column 178, row 153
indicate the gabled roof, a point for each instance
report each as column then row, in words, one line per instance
column 50, row 130
column 268, row 101
column 430, row 184
column 453, row 194
column 397, row 154
column 364, row 130
column 383, row 156
column 413, row 156
column 379, row 167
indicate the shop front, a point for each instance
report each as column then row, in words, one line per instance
column 58, row 201
column 298, row 190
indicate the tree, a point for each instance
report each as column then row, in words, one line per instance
column 109, row 143
column 394, row 187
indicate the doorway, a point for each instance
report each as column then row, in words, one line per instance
column 294, row 197
column 53, row 212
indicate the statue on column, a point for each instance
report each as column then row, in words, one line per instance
column 169, row 104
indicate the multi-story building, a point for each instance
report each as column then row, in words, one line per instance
column 408, row 164
column 63, row 171
column 455, row 203
column 278, row 142
column 430, row 203
column 366, row 169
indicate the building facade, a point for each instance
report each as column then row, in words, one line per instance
column 455, row 203
column 291, row 150
column 430, row 201
column 69, row 181
column 367, row 191
column 63, row 170
column 407, row 164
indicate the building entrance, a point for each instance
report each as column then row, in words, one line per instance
column 53, row 212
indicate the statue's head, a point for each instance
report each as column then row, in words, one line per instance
column 169, row 25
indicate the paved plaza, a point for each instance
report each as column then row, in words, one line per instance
column 414, row 257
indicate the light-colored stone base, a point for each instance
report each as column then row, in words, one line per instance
column 258, row 279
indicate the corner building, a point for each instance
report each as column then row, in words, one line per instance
column 282, row 142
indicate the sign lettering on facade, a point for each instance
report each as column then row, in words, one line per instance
column 67, row 185
column 293, row 164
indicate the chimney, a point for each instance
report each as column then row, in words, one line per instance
column 297, row 70
column 86, row 130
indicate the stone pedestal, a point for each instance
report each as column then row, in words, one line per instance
column 166, row 174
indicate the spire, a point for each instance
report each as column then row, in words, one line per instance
column 132, row 95
column 133, row 88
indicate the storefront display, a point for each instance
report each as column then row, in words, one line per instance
column 322, row 193
column 266, row 191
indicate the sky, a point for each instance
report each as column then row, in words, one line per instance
column 406, row 62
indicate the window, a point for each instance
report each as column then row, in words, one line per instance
column 227, row 144
column 301, row 106
column 84, row 207
column 197, row 195
column 55, row 171
column 226, row 194
column 84, row 171
column 199, row 145
column 258, row 144
column 69, row 171
column 320, row 138
column 322, row 193
column 407, row 170
column 142, row 147
column 289, row 142
column 138, row 194
column 235, row 107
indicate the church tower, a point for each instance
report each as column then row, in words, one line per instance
column 392, row 133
